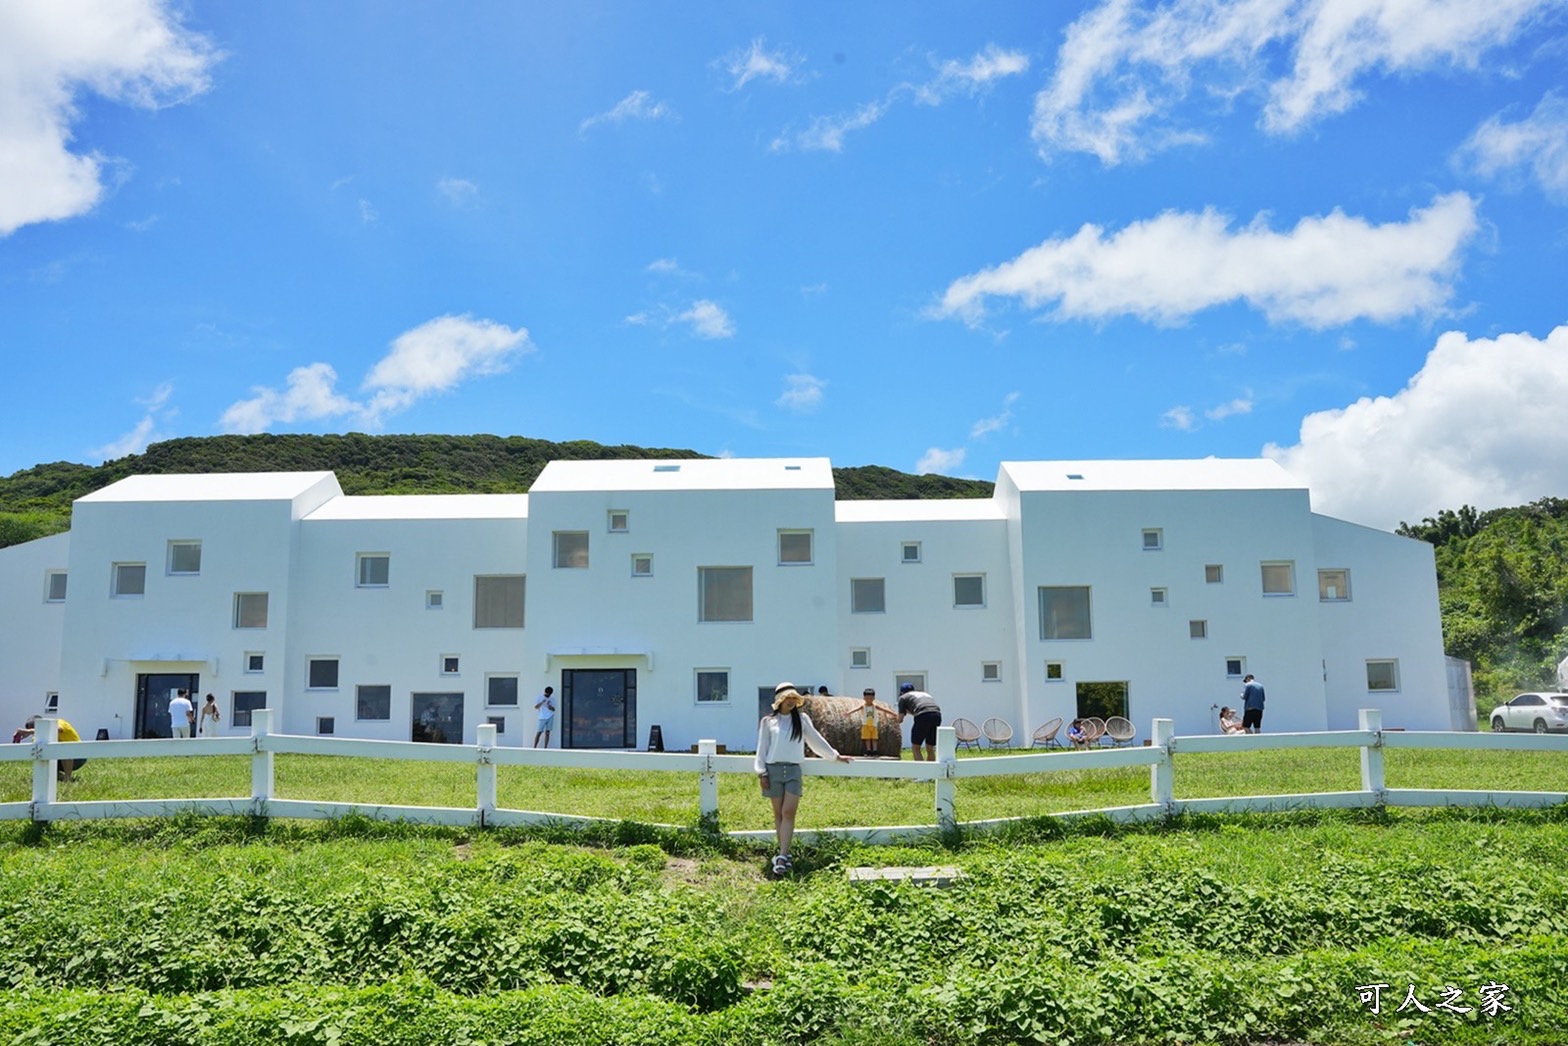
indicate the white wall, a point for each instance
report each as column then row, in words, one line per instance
column 30, row 640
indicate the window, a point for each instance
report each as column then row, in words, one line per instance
column 1279, row 579
column 184, row 557
column 501, row 691
column 619, row 521
column 1334, row 586
column 435, row 600
column 1214, row 573
column 1197, row 629
column 250, row 610
column 1235, row 667
column 255, row 662
column 54, row 586
column 52, row 702
column 450, row 664
column 794, row 547
column 860, row 657
column 1153, row 539
column 1055, row 672
column 867, row 595
column 666, row 468
column 914, row 679
column 498, row 600
column 326, row 724
column 713, row 686
column 642, row 565
column 1383, row 675
column 969, row 590
column 990, row 671
column 373, row 702
column 497, row 721
column 911, row 551
column 1157, row 597
column 723, row 593
column 246, row 702
column 130, row 579
column 1064, row 612
column 321, row 673
column 373, row 569
column 571, row 549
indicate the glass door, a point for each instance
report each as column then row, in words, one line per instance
column 153, row 693
column 599, row 708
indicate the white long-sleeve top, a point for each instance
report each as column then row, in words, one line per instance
column 774, row 745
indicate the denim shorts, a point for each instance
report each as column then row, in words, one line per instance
column 782, row 778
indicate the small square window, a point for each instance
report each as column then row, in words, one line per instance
column 914, row 679
column 969, row 590
column 130, row 579
column 990, row 671
column 255, row 662
column 642, row 565
column 860, row 657
column 795, row 547
column 52, row 702
column 1214, row 573
column 250, row 610
column 326, row 724
column 497, row 721
column 54, row 586
column 911, row 551
column 1153, row 539
column 713, row 686
column 571, row 549
column 1157, row 597
column 1054, row 672
column 321, row 673
column 1383, row 675
column 867, row 595
column 449, row 664
column 1235, row 667
column 619, row 521
column 1334, row 586
column 246, row 702
column 501, row 691
column 1198, row 629
column 373, row 702
column 435, row 600
column 1279, row 579
column 185, row 557
column 373, row 569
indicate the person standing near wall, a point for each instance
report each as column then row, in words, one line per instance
column 181, row 714
column 928, row 716
column 781, row 748
column 209, row 718
column 1252, row 705
column 545, row 707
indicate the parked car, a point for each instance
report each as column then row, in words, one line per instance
column 1538, row 712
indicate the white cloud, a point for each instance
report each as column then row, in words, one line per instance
column 802, row 393
column 639, row 105
column 664, row 265
column 1326, row 271
column 827, row 133
column 758, row 63
column 459, row 192
column 367, row 212
column 1479, row 424
column 1240, row 405
column 707, row 319
column 1180, row 418
column 433, row 357
column 996, row 422
column 955, row 77
column 132, row 52
column 145, row 430
column 1538, row 143
column 1124, row 67
column 935, row 459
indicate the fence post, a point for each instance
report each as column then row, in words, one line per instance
column 45, row 732
column 1372, row 755
column 484, row 734
column 261, row 778
column 708, row 783
column 946, row 755
column 1162, row 775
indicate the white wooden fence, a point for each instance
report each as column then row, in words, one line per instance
column 944, row 774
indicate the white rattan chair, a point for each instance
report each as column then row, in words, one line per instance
column 968, row 733
column 1120, row 730
column 998, row 732
column 1045, row 736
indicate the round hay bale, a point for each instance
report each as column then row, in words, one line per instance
column 839, row 720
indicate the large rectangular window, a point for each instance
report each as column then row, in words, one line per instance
column 321, row 673
column 713, row 686
column 794, row 546
column 867, row 595
column 184, row 557
column 571, row 549
column 1334, row 586
column 250, row 610
column 130, row 579
column 246, row 702
column 498, row 600
column 969, row 590
column 723, row 593
column 1279, row 579
column 373, row 570
column 501, row 691
column 1064, row 612
column 373, row 702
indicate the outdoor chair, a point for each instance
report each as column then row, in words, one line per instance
column 999, row 732
column 1046, row 735
column 1093, row 730
column 967, row 733
column 1120, row 730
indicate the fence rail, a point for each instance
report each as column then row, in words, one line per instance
column 263, row 745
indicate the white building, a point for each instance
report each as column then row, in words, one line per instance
column 677, row 592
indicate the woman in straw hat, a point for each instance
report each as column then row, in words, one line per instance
column 781, row 747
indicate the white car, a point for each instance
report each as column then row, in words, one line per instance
column 1538, row 712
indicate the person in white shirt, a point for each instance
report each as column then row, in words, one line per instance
column 181, row 714
column 545, row 706
column 781, row 748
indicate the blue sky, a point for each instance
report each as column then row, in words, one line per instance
column 933, row 237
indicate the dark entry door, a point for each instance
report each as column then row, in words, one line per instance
column 599, row 708
column 153, row 691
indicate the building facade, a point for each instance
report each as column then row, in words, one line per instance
column 677, row 592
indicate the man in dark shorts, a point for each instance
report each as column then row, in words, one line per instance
column 1251, row 705
column 928, row 716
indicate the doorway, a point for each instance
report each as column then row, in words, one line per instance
column 436, row 718
column 1102, row 700
column 153, row 692
column 599, row 708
